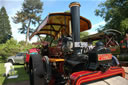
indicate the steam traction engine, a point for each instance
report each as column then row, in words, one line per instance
column 64, row 60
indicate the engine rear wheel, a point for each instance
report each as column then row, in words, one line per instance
column 36, row 70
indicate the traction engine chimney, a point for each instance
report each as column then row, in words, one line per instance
column 75, row 20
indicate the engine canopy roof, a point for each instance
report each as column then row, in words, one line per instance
column 56, row 24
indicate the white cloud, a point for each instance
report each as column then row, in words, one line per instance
column 91, row 32
column 34, row 39
column 98, row 24
column 14, row 26
column 95, row 26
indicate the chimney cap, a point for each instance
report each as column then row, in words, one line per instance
column 74, row 4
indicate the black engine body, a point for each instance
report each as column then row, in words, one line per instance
column 100, row 58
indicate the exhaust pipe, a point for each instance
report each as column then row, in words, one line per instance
column 75, row 23
column 75, row 20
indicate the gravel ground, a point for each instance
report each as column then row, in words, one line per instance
column 126, row 70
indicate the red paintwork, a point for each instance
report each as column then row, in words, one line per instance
column 112, row 49
column 122, row 41
column 78, row 79
column 55, row 51
column 52, row 81
column 27, row 58
column 102, row 57
column 35, row 50
column 61, row 70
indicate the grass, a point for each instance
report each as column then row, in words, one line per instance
column 2, row 59
column 19, row 69
column 1, row 73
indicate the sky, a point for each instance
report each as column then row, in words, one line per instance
column 86, row 10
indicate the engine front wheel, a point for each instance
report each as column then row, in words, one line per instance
column 36, row 70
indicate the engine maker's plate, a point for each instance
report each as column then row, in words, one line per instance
column 81, row 44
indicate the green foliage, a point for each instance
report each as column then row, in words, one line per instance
column 11, row 47
column 83, row 35
column 124, row 25
column 68, row 11
column 5, row 28
column 29, row 16
column 114, row 12
column 48, row 38
column 94, row 42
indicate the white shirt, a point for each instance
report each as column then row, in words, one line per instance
column 8, row 65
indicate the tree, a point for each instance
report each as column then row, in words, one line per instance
column 114, row 12
column 11, row 47
column 29, row 16
column 25, row 48
column 83, row 35
column 5, row 28
column 68, row 11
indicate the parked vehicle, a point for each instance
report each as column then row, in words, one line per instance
column 17, row 59
column 62, row 61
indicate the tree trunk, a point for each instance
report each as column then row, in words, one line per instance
column 27, row 35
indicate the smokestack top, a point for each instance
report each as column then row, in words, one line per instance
column 74, row 4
